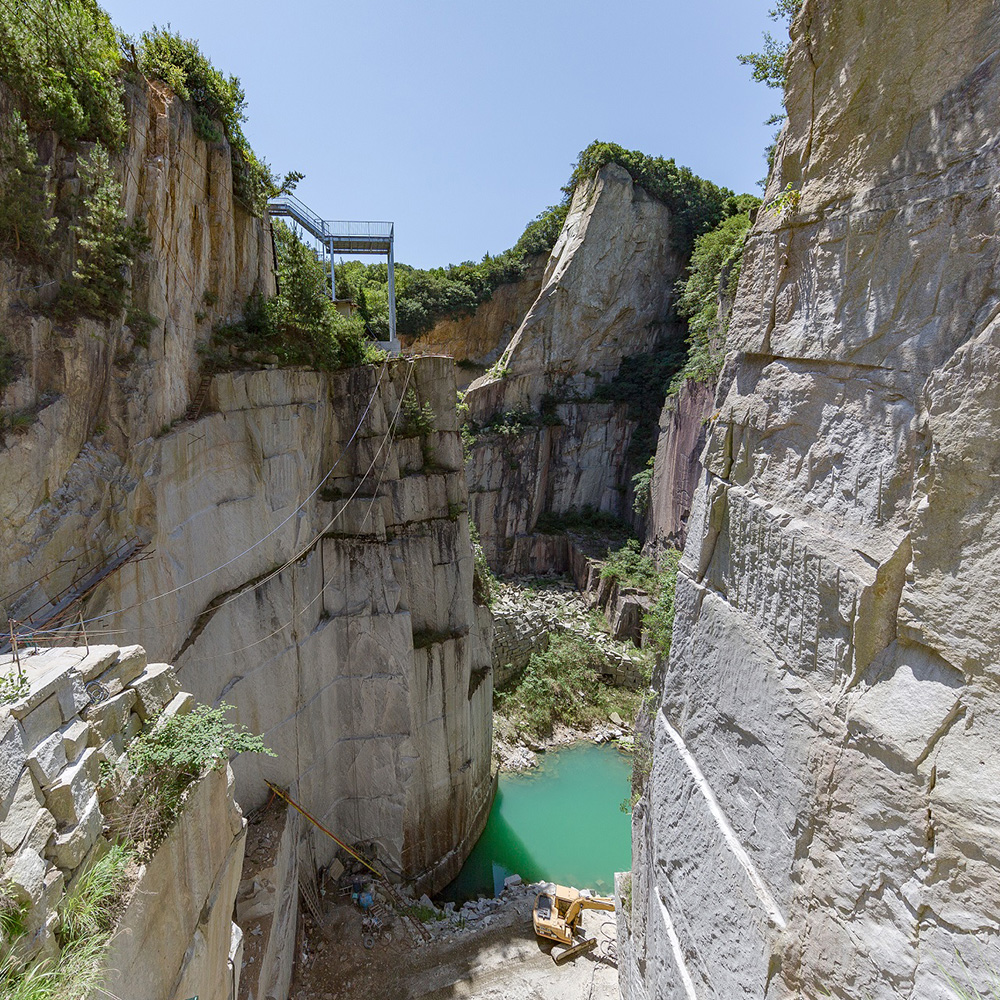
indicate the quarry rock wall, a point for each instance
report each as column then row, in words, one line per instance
column 302, row 551
column 606, row 294
column 478, row 340
column 819, row 818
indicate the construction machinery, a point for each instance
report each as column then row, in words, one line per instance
column 557, row 913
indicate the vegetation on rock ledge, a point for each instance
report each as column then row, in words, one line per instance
column 298, row 326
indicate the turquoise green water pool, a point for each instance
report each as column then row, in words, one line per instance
column 559, row 822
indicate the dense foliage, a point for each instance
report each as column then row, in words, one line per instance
column 425, row 296
column 104, row 245
column 26, row 221
column 62, row 60
column 697, row 205
column 298, row 326
column 219, row 104
column 712, row 278
column 630, row 568
column 563, row 684
column 164, row 760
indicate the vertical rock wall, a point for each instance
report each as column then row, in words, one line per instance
column 300, row 552
column 482, row 337
column 820, row 819
column 71, row 493
column 606, row 294
column 310, row 563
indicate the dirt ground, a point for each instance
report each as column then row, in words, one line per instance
column 496, row 957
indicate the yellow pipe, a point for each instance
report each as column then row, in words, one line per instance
column 312, row 819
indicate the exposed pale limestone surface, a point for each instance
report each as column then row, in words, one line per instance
column 73, row 481
column 483, row 336
column 177, row 930
column 606, row 295
column 107, row 488
column 677, row 469
column 348, row 636
column 267, row 903
column 821, row 815
column 175, row 936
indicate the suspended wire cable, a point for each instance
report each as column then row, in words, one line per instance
column 326, row 586
column 138, row 604
column 32, row 633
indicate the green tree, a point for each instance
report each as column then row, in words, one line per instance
column 104, row 245
column 62, row 59
column 26, row 222
column 712, row 277
column 219, row 107
column 768, row 65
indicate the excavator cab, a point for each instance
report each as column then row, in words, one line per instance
column 557, row 911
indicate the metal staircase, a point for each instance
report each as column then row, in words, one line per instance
column 341, row 236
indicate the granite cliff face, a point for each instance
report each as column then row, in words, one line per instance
column 606, row 295
column 821, row 814
column 300, row 551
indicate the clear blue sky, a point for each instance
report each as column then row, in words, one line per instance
column 460, row 120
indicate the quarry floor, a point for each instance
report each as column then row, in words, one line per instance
column 503, row 961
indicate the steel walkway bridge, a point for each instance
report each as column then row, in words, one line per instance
column 337, row 236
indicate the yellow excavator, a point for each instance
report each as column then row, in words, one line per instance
column 557, row 913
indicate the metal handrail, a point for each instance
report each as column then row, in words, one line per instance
column 328, row 229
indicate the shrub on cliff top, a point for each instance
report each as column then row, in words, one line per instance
column 62, row 59
column 425, row 296
column 696, row 204
column 630, row 568
column 298, row 326
column 164, row 760
column 219, row 104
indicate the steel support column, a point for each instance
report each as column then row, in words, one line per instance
column 391, row 275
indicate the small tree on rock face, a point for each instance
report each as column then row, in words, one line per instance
column 768, row 65
column 105, row 245
column 162, row 762
column 26, row 224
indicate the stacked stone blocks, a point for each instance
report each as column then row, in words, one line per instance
column 81, row 708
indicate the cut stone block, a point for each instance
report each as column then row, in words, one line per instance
column 40, row 832
column 130, row 664
column 132, row 728
column 41, row 722
column 181, row 704
column 154, row 688
column 110, row 750
column 45, row 676
column 20, row 812
column 69, row 797
column 25, row 876
column 69, row 848
column 98, row 851
column 48, row 759
column 73, row 697
column 97, row 661
column 109, row 717
column 75, row 738
column 13, row 755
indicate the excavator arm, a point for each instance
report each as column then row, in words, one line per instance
column 587, row 903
